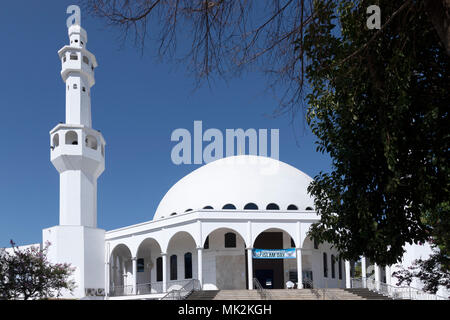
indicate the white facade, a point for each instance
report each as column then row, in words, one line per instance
column 209, row 221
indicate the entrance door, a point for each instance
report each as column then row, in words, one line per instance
column 265, row 278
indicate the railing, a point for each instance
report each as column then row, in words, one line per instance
column 320, row 293
column 394, row 292
column 147, row 288
column 263, row 293
column 183, row 292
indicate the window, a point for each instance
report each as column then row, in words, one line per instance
column 250, row 206
column 91, row 142
column 340, row 268
column 159, row 269
column 140, row 265
column 325, row 265
column 292, row 207
column 84, row 89
column 73, row 56
column 188, row 265
column 333, row 273
column 71, row 137
column 187, row 210
column 75, row 86
column 173, row 267
column 230, row 240
column 309, row 209
column 208, row 208
column 272, row 206
column 64, row 59
column 206, row 246
column 173, row 213
column 229, row 206
column 292, row 243
column 316, row 244
column 76, row 40
column 86, row 60
column 55, row 140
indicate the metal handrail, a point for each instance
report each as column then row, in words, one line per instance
column 264, row 293
column 183, row 292
column 394, row 292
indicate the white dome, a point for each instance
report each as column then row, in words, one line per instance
column 238, row 180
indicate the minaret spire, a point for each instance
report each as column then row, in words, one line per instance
column 78, row 150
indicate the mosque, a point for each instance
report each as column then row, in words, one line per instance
column 229, row 224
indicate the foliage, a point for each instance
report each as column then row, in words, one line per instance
column 27, row 274
column 382, row 115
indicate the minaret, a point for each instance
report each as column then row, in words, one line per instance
column 77, row 150
column 78, row 153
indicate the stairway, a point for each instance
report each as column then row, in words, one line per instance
column 203, row 295
column 367, row 294
column 285, row 294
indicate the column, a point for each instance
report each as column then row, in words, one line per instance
column 107, row 277
column 250, row 267
column 134, row 260
column 377, row 276
column 347, row 274
column 164, row 267
column 299, row 269
column 363, row 272
column 388, row 275
column 200, row 266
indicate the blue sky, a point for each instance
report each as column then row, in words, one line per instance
column 136, row 103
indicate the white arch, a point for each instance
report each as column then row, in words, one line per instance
column 258, row 229
column 237, row 228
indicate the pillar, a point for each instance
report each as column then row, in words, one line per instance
column 250, row 267
column 363, row 272
column 107, row 278
column 164, row 267
column 377, row 276
column 299, row 269
column 347, row 274
column 134, row 260
column 200, row 266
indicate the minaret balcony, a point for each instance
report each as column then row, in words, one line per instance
column 76, row 147
column 77, row 60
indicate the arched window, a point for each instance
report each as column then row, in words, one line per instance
column 333, row 273
column 173, row 267
column 55, row 140
column 208, row 208
column 250, row 206
column 229, row 206
column 340, row 268
column 292, row 207
column 272, row 206
column 309, row 209
column 230, row 240
column 325, row 265
column 206, row 246
column 173, row 213
column 71, row 137
column 187, row 210
column 85, row 60
column 188, row 265
column 159, row 269
column 91, row 142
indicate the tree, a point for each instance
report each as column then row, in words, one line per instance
column 383, row 118
column 27, row 274
column 378, row 100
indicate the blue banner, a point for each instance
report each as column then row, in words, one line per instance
column 274, row 253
